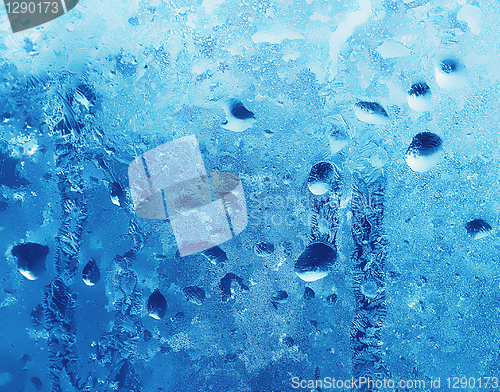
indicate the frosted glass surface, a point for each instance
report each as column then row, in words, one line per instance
column 340, row 215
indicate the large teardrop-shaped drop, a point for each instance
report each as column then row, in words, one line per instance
column 157, row 305
column 30, row 259
column 314, row 262
column 91, row 273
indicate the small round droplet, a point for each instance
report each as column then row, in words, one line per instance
column 309, row 293
column 157, row 305
column 215, row 255
column 424, row 151
column 238, row 117
column 450, row 73
column 278, row 298
column 371, row 113
column 268, row 133
column 117, row 194
column 178, row 318
column 478, row 228
column 281, row 295
column 226, row 285
column 91, row 273
column 239, row 111
column 194, row 294
column 314, row 262
column 288, row 341
column 320, row 178
column 332, row 299
column 338, row 139
column 264, row 249
column 419, row 97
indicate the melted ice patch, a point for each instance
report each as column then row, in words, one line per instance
column 472, row 16
column 392, row 49
column 344, row 30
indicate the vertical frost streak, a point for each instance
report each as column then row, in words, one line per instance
column 369, row 279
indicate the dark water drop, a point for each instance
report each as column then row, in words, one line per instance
column 91, row 273
column 239, row 111
column 31, row 259
column 424, row 144
column 157, row 305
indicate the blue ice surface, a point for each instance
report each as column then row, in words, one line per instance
column 410, row 295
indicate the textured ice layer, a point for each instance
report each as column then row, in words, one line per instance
column 84, row 95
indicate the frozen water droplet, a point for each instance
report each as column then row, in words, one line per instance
column 478, row 228
column 288, row 341
column 30, row 259
column 419, row 97
column 157, row 305
column 194, row 294
column 281, row 295
column 91, row 273
column 226, row 284
column 450, row 73
column 332, row 299
column 314, row 262
column 320, row 178
column 268, row 133
column 134, row 21
column 117, row 194
column 309, row 293
column 424, row 151
column 338, row 139
column 215, row 255
column 264, row 249
column 238, row 118
column 239, row 111
column 371, row 113
column 37, row 383
column 178, row 318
